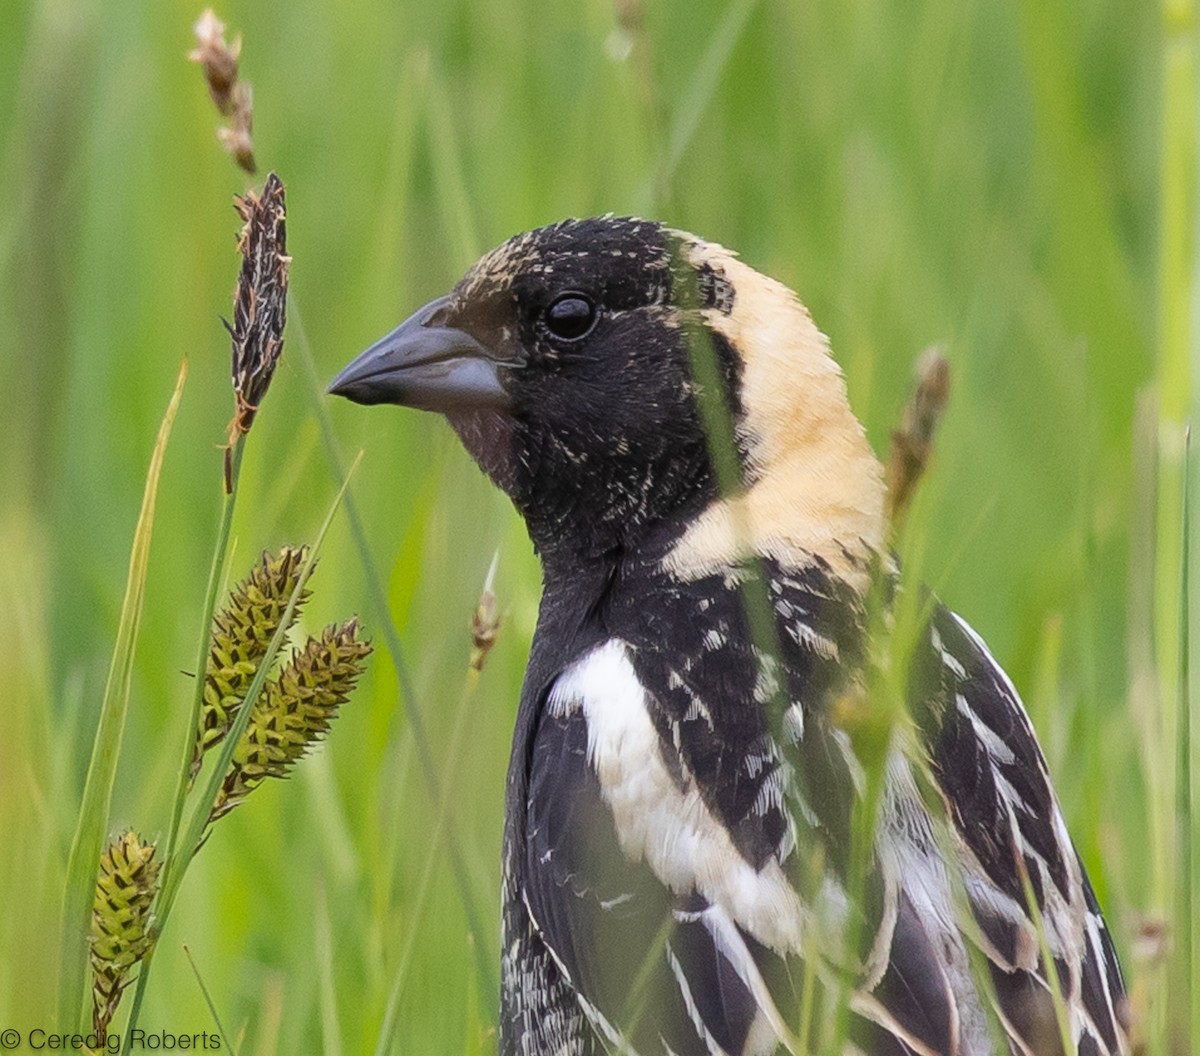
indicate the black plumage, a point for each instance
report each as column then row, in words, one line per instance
column 682, row 794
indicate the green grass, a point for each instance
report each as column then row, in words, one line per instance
column 991, row 176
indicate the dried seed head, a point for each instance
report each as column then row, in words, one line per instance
column 217, row 59
column 237, row 138
column 260, row 305
column 232, row 97
column 485, row 620
column 630, row 14
column 485, row 625
column 125, row 888
column 1151, row 942
column 912, row 442
column 241, row 632
column 294, row 711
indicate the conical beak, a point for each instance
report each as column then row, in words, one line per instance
column 427, row 365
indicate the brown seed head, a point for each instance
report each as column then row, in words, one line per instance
column 260, row 305
column 237, row 138
column 217, row 59
column 912, row 442
column 485, row 621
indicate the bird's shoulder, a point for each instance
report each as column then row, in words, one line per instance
column 721, row 675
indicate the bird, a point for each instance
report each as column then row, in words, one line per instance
column 686, row 869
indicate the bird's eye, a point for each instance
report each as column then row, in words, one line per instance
column 570, row 316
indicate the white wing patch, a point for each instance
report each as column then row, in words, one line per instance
column 669, row 828
column 673, row 831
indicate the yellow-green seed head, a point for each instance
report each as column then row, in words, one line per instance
column 125, row 888
column 294, row 710
column 241, row 632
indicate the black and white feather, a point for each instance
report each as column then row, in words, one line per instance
column 679, row 844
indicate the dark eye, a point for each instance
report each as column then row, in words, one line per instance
column 570, row 316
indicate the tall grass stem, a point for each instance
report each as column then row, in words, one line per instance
column 1176, row 334
column 220, row 550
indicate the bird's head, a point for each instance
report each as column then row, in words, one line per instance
column 566, row 361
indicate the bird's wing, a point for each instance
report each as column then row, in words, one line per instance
column 665, row 882
column 658, row 967
column 665, row 871
column 1014, row 850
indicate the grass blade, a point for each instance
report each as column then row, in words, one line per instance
column 698, row 93
column 1187, row 926
column 331, row 1032
column 1176, row 320
column 92, row 824
column 384, row 1038
column 226, row 1042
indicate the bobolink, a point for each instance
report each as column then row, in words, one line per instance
column 681, row 796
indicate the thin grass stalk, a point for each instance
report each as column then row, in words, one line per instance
column 631, row 31
column 718, row 423
column 226, row 1041
column 873, row 734
column 220, row 552
column 1185, row 791
column 808, row 994
column 451, row 184
column 1061, row 1017
column 477, row 1040
column 424, row 884
column 1177, row 268
column 194, row 833
column 200, row 816
column 637, row 1004
column 913, row 612
column 487, row 979
column 331, row 1033
column 694, row 100
column 716, row 419
column 92, row 826
column 1146, row 972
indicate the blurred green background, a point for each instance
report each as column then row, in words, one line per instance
column 977, row 174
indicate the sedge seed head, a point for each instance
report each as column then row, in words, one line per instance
column 217, row 58
column 121, row 921
column 232, row 98
column 485, row 620
column 237, row 137
column 260, row 304
column 295, row 710
column 912, row 442
column 242, row 631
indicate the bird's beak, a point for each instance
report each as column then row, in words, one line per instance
column 427, row 365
